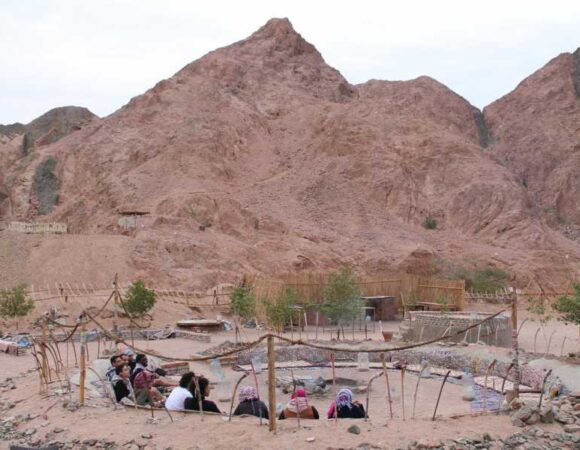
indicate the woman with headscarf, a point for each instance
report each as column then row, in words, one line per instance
column 344, row 407
column 298, row 407
column 250, row 404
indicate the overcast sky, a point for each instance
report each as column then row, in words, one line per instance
column 101, row 53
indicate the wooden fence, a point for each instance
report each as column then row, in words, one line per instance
column 310, row 286
column 38, row 228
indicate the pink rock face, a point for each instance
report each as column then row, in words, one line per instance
column 261, row 158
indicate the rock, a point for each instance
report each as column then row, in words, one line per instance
column 29, row 431
column 566, row 407
column 547, row 413
column 516, row 403
column 524, row 413
column 487, row 437
column 564, row 418
column 572, row 428
column 354, row 429
column 310, row 439
column 45, row 423
column 468, row 396
column 146, row 436
column 577, row 407
column 517, row 422
column 90, row 442
column 58, row 430
column 575, row 394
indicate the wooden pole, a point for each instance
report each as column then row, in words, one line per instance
column 403, row 369
column 417, row 389
column 316, row 335
column 294, row 392
column 83, row 363
column 487, row 371
column 515, row 346
column 272, row 383
column 234, row 394
column 45, row 365
column 440, row 392
column 388, row 385
column 257, row 386
column 334, row 388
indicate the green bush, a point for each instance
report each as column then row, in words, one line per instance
column 243, row 302
column 15, row 303
column 341, row 297
column 430, row 223
column 489, row 280
column 139, row 300
column 569, row 306
column 279, row 311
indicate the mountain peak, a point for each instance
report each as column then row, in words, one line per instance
column 282, row 36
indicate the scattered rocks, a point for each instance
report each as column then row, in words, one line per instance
column 572, row 428
column 354, row 429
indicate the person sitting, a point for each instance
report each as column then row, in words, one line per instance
column 344, row 407
column 121, row 384
column 176, row 399
column 142, row 364
column 145, row 391
column 116, row 361
column 250, row 403
column 298, row 407
column 199, row 387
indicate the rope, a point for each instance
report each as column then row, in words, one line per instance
column 293, row 342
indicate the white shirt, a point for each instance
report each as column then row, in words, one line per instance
column 177, row 398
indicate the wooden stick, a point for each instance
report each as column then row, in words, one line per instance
column 416, row 389
column 503, row 385
column 198, row 392
column 543, row 387
column 234, row 394
column 378, row 374
column 334, row 388
column 272, row 383
column 440, row 391
column 550, row 342
column 294, row 392
column 403, row 369
column 316, row 335
column 562, row 346
column 83, row 364
column 485, row 383
column 388, row 385
column 257, row 387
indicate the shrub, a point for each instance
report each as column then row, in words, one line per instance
column 341, row 297
column 489, row 280
column 569, row 306
column 139, row 300
column 243, row 302
column 430, row 223
column 15, row 303
column 279, row 311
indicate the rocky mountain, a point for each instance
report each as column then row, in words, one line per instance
column 259, row 157
column 535, row 133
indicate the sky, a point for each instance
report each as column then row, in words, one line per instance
column 100, row 54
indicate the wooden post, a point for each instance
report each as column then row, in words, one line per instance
column 272, row 383
column 403, row 390
column 388, row 385
column 335, row 413
column 439, row 396
column 515, row 346
column 115, row 304
column 316, row 333
column 83, row 363
column 257, row 386
column 45, row 363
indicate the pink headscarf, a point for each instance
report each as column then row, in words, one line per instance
column 298, row 401
column 248, row 393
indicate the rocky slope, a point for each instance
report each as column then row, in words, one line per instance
column 259, row 157
column 535, row 132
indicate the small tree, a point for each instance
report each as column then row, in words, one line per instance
column 14, row 303
column 341, row 297
column 139, row 300
column 243, row 302
column 279, row 311
column 569, row 307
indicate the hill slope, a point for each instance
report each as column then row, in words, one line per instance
column 259, row 157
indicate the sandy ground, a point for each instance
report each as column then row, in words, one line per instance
column 99, row 420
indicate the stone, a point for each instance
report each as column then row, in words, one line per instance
column 517, row 422
column 354, row 429
column 90, row 442
column 58, row 430
column 516, row 403
column 44, row 424
column 577, row 407
column 572, row 428
column 29, row 431
column 468, row 396
column 146, row 436
column 547, row 413
column 310, row 439
column 564, row 418
column 575, row 394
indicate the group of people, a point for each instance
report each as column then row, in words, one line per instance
column 132, row 378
